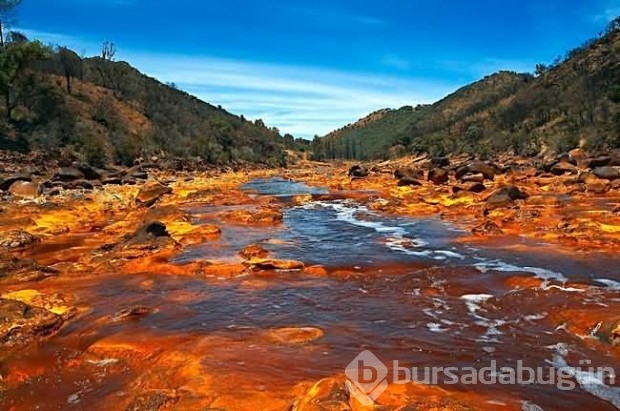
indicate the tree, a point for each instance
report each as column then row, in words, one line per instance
column 108, row 51
column 71, row 65
column 14, row 60
column 6, row 9
column 541, row 69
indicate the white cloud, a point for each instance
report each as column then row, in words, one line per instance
column 300, row 100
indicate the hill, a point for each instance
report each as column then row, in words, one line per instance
column 108, row 112
column 574, row 101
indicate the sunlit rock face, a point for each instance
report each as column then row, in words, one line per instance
column 207, row 292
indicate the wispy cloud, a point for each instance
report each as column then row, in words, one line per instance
column 300, row 100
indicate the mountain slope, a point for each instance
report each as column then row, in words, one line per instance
column 107, row 111
column 574, row 101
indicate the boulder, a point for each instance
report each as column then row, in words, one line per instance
column 90, row 173
column 132, row 312
column 576, row 155
column 598, row 187
column 253, row 251
column 414, row 173
column 438, row 176
column 22, row 324
column 137, row 173
column 505, row 196
column 358, row 171
column 474, row 187
column 562, row 167
column 153, row 229
column 263, row 216
column 607, row 173
column 408, row 181
column 26, row 189
column 477, row 167
column 69, row 174
column 151, row 192
column 586, row 177
column 600, row 161
column 473, row 178
column 9, row 181
column 17, row 239
column 78, row 185
column 440, row 162
column 277, row 264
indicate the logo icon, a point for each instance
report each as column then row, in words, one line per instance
column 367, row 376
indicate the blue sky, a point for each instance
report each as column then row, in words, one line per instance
column 308, row 67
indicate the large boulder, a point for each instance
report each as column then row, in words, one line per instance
column 413, row 173
column 440, row 162
column 562, row 167
column 90, row 173
column 151, row 192
column 607, row 173
column 358, row 171
column 26, row 189
column 477, row 167
column 438, row 176
column 600, row 161
column 22, row 324
column 505, row 196
column 66, row 174
column 9, row 181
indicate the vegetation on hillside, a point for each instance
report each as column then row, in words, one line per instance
column 107, row 111
column 575, row 100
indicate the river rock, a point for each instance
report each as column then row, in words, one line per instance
column 9, row 181
column 505, row 196
column 413, row 173
column 599, row 186
column 600, row 161
column 26, row 189
column 438, row 176
column 133, row 312
column 607, row 173
column 477, row 167
column 253, row 251
column 263, row 216
column 302, row 335
column 440, row 162
column 17, row 239
column 562, row 167
column 153, row 229
column 90, row 173
column 69, row 174
column 269, row 264
column 22, row 324
column 151, row 192
column 408, row 181
column 358, row 171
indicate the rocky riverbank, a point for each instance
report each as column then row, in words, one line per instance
column 80, row 245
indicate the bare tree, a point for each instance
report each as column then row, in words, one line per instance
column 7, row 7
column 108, row 51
